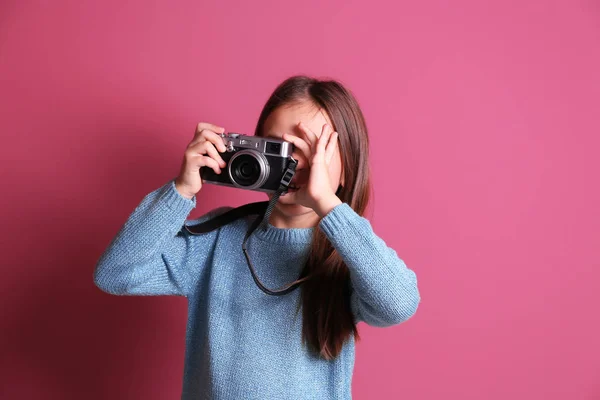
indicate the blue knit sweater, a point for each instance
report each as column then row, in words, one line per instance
column 240, row 342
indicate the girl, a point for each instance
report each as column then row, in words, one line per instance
column 240, row 342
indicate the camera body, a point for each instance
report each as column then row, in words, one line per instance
column 253, row 163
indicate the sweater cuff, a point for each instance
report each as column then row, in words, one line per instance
column 170, row 196
column 339, row 220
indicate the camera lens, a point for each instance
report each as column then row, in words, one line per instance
column 248, row 169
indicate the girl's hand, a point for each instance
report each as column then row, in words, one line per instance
column 202, row 151
column 317, row 153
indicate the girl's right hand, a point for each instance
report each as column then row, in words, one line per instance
column 203, row 151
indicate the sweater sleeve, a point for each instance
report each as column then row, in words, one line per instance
column 149, row 255
column 384, row 291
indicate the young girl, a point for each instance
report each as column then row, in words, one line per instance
column 242, row 343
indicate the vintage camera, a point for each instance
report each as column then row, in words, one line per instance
column 253, row 163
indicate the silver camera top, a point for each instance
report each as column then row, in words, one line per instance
column 268, row 146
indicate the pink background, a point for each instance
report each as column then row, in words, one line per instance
column 484, row 121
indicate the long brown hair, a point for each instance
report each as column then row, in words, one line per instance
column 327, row 317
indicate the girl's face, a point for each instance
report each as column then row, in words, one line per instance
column 285, row 120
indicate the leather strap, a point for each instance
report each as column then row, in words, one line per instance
column 228, row 217
column 263, row 209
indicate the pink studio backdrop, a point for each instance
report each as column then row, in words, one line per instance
column 485, row 134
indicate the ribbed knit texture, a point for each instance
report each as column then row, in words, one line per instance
column 240, row 342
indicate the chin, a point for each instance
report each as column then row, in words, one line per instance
column 287, row 207
column 292, row 209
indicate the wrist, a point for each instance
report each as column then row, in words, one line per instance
column 326, row 204
column 183, row 192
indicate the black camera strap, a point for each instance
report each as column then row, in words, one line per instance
column 263, row 209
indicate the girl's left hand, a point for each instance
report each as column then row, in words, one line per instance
column 318, row 151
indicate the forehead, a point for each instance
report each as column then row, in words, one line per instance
column 285, row 119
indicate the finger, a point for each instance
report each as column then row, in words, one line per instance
column 308, row 134
column 206, row 148
column 216, row 140
column 208, row 135
column 324, row 139
column 331, row 147
column 213, row 153
column 204, row 161
column 207, row 125
column 300, row 144
column 321, row 145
